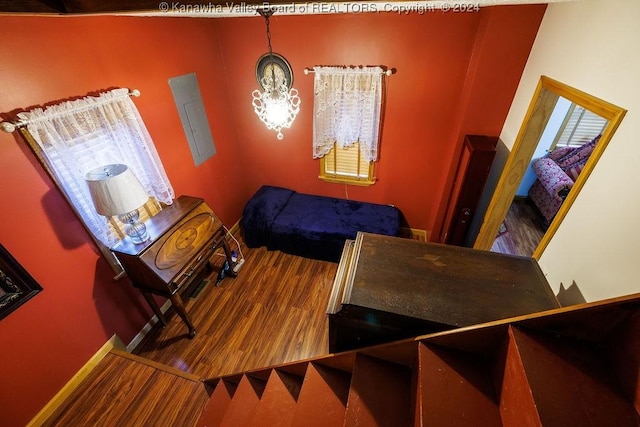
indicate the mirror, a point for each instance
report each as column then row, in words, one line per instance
column 549, row 93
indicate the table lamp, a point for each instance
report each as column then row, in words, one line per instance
column 116, row 191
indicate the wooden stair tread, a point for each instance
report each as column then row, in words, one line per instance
column 571, row 382
column 323, row 397
column 454, row 389
column 244, row 402
column 380, row 394
column 278, row 403
column 122, row 391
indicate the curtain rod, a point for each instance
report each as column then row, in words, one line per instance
column 388, row 72
column 10, row 127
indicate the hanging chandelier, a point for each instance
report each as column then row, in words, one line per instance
column 278, row 104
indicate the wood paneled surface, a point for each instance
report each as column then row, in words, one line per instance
column 273, row 312
column 135, row 393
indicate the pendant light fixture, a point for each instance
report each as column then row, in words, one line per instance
column 278, row 104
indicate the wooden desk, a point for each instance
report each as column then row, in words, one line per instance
column 389, row 288
column 184, row 236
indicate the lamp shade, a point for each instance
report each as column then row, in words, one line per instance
column 115, row 190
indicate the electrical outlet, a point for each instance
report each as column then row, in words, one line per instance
column 238, row 265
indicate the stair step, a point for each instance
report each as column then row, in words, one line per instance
column 380, row 394
column 517, row 407
column 278, row 404
column 217, row 405
column 402, row 353
column 454, row 389
column 570, row 381
column 624, row 352
column 323, row 397
column 244, row 402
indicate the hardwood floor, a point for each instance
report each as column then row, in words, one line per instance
column 273, row 312
column 119, row 392
column 523, row 230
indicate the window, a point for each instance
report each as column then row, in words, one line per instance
column 346, row 124
column 75, row 137
column 347, row 165
column 579, row 127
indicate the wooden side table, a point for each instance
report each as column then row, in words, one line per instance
column 184, row 236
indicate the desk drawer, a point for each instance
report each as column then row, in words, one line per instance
column 194, row 267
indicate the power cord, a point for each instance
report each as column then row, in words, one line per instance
column 229, row 233
column 238, row 261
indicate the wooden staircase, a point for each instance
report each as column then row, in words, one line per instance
column 571, row 366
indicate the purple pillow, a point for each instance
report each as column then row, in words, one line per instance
column 578, row 154
column 559, row 153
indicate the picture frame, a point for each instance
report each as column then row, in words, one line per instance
column 16, row 284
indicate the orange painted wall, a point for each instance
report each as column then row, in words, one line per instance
column 456, row 74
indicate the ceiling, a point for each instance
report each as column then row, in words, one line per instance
column 211, row 8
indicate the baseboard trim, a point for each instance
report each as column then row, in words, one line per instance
column 236, row 227
column 50, row 408
column 147, row 328
column 415, row 234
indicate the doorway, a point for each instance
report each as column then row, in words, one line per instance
column 543, row 103
column 564, row 148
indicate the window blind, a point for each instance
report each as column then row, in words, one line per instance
column 579, row 127
column 346, row 162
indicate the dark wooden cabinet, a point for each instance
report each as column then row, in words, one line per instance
column 184, row 236
column 389, row 288
column 472, row 171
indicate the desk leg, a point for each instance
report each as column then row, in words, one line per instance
column 155, row 307
column 176, row 301
column 227, row 253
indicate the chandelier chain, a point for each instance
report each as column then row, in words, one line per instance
column 273, row 73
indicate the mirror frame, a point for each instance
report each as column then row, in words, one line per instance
column 542, row 104
column 16, row 284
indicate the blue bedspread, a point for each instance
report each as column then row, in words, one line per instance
column 312, row 226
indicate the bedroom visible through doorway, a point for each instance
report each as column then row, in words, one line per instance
column 542, row 105
column 565, row 146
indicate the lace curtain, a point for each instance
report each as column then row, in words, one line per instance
column 78, row 136
column 347, row 108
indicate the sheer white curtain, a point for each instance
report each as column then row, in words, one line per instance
column 81, row 135
column 347, row 108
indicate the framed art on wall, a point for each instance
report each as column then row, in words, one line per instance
column 16, row 284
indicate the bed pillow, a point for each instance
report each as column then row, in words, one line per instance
column 578, row 154
column 557, row 154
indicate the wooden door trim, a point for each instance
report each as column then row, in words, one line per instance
column 544, row 99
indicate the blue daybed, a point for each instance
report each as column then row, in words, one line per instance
column 312, row 226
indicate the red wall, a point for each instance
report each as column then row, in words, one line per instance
column 48, row 339
column 456, row 74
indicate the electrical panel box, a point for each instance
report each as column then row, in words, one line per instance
column 186, row 94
